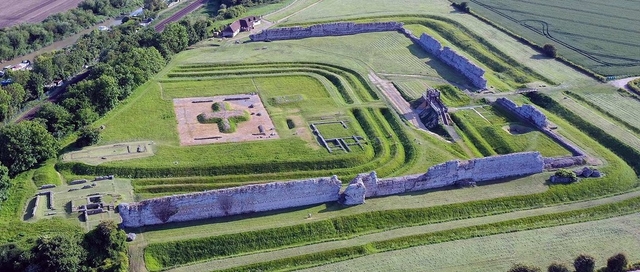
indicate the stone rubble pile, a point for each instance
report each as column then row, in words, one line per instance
column 231, row 201
column 321, row 30
column 471, row 71
column 447, row 174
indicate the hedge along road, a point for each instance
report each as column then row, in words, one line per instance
column 386, row 235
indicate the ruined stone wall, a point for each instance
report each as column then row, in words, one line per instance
column 526, row 111
column 321, row 30
column 471, row 71
column 536, row 117
column 451, row 172
column 225, row 202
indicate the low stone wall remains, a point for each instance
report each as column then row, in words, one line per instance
column 321, row 30
column 446, row 174
column 537, row 118
column 231, row 201
column 447, row 55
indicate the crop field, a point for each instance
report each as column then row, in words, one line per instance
column 13, row 12
column 601, row 36
column 494, row 132
column 625, row 108
column 498, row 253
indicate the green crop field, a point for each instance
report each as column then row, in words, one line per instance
column 495, row 132
column 498, row 253
column 327, row 83
column 601, row 36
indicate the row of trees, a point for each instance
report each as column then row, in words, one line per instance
column 22, row 39
column 583, row 263
column 102, row 249
column 126, row 57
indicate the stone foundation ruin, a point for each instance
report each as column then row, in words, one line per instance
column 431, row 109
column 445, row 174
column 231, row 201
column 447, row 55
column 280, row 195
column 534, row 116
column 321, row 30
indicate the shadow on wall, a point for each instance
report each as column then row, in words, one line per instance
column 231, row 218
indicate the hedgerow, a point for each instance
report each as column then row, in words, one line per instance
column 528, row 223
column 624, row 151
column 181, row 252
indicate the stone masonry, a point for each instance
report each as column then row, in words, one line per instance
column 321, row 30
column 231, row 201
column 449, row 173
column 471, row 71
column 526, row 111
column 280, row 195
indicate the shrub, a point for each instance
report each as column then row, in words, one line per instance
column 88, row 136
column 556, row 267
column 617, row 263
column 584, row 263
column 524, row 268
column 550, row 50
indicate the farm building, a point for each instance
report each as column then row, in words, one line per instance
column 244, row 24
column 248, row 23
column 232, row 30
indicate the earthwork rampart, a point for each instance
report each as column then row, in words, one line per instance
column 321, row 30
column 280, row 195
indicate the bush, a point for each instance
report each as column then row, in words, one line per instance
column 550, row 50
column 524, row 268
column 88, row 136
column 556, row 267
column 617, row 263
column 584, row 263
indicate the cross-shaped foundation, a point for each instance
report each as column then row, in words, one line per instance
column 223, row 115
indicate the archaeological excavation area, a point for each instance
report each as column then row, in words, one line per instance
column 331, row 142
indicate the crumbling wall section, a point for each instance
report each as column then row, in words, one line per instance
column 232, row 201
column 321, row 30
column 447, row 55
column 451, row 172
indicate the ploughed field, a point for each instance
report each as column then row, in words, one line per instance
column 13, row 12
column 602, row 36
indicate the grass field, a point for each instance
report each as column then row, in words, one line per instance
column 602, row 37
column 497, row 253
column 490, row 127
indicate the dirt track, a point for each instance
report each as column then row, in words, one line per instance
column 13, row 12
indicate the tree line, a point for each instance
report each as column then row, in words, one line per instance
column 584, row 263
column 113, row 63
column 23, row 39
column 102, row 249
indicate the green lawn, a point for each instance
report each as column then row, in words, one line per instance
column 494, row 126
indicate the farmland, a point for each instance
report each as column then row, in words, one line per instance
column 602, row 37
column 13, row 12
column 321, row 88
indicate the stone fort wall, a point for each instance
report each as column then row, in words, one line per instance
column 232, row 201
column 471, row 71
column 280, row 195
column 321, row 30
column 445, row 174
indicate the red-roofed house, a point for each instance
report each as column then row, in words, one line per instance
column 232, row 30
column 244, row 24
